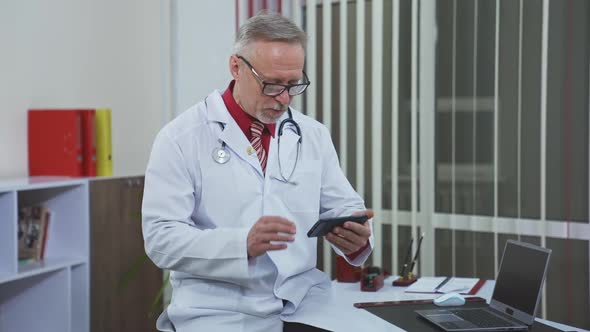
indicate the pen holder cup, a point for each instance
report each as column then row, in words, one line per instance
column 371, row 279
column 346, row 272
column 406, row 280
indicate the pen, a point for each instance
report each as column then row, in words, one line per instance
column 458, row 290
column 417, row 253
column 442, row 283
column 407, row 259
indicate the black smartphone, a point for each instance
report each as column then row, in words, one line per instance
column 324, row 226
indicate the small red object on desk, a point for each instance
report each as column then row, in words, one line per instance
column 371, row 279
column 346, row 272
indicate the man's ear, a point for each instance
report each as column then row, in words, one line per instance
column 234, row 67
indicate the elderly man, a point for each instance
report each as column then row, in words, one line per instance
column 233, row 185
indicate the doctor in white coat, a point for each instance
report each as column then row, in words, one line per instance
column 227, row 211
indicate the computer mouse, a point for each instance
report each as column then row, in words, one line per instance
column 449, row 299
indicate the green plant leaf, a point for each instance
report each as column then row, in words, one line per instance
column 132, row 272
column 155, row 307
column 135, row 216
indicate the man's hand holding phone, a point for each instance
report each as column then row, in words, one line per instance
column 351, row 236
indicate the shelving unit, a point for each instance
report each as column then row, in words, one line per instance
column 51, row 295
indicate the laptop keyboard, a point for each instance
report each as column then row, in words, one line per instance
column 481, row 318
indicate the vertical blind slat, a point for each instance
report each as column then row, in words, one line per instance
column 496, row 138
column 426, row 124
column 376, row 131
column 414, row 122
column 519, row 116
column 394, row 138
column 454, row 139
column 296, row 15
column 343, row 86
column 474, row 136
column 360, row 97
column 544, row 64
column 310, row 11
column 327, row 93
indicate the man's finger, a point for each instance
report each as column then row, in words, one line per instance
column 268, row 237
column 360, row 230
column 277, row 228
column 349, row 235
column 270, row 246
column 341, row 243
column 275, row 219
column 354, row 231
column 368, row 213
column 278, row 225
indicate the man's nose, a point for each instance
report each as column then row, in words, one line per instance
column 284, row 98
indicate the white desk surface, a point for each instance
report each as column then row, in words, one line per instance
column 349, row 293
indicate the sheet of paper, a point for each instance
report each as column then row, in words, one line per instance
column 425, row 285
column 324, row 309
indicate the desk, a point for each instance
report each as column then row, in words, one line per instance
column 332, row 307
column 349, row 292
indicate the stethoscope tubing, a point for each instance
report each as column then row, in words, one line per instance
column 221, row 155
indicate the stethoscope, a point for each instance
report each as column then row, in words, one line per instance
column 221, row 155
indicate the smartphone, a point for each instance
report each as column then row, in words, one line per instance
column 324, row 226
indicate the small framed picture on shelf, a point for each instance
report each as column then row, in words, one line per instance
column 33, row 222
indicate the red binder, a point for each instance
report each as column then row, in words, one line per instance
column 88, row 142
column 61, row 142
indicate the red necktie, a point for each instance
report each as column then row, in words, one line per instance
column 256, row 129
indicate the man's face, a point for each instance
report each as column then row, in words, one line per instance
column 275, row 62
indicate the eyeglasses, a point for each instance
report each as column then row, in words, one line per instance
column 275, row 89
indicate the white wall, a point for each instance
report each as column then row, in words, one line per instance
column 201, row 41
column 203, row 35
column 81, row 53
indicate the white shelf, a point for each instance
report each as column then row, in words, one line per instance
column 80, row 297
column 38, row 182
column 38, row 303
column 51, row 295
column 29, row 269
column 8, row 246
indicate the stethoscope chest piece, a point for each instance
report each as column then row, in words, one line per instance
column 220, row 155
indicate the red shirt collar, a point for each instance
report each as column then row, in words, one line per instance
column 243, row 119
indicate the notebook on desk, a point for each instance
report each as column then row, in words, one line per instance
column 514, row 300
column 466, row 286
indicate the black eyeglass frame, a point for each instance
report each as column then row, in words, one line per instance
column 287, row 87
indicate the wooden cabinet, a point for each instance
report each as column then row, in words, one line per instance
column 123, row 282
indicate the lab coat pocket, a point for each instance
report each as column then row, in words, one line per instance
column 301, row 192
column 234, row 183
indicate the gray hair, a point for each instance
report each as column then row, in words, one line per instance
column 267, row 26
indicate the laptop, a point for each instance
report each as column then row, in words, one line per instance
column 515, row 298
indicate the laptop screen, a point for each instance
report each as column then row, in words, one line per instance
column 521, row 276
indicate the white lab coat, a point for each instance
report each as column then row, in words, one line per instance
column 197, row 215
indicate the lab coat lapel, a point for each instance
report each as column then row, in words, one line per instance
column 232, row 135
column 235, row 139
